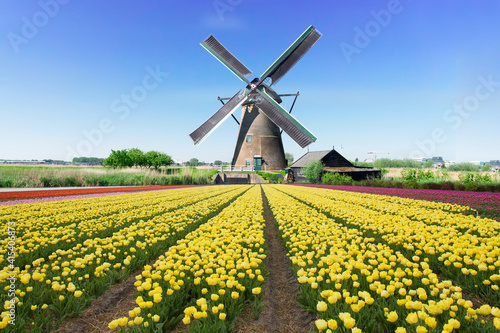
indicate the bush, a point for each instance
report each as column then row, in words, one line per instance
column 464, row 167
column 388, row 163
column 486, row 167
column 335, row 178
column 409, row 175
column 471, row 187
column 6, row 182
column 413, row 184
column 70, row 181
column 313, row 170
column 433, row 186
column 425, row 175
column 486, row 178
column 447, row 185
column 466, row 177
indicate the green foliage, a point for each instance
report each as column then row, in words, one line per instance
column 289, row 158
column 483, row 178
column 335, row 178
column 471, row 177
column 409, row 175
column 118, row 159
column 466, row 177
column 84, row 160
column 428, row 164
column 137, row 156
column 424, row 175
column 464, row 167
column 271, row 176
column 412, row 175
column 194, row 162
column 388, row 163
column 313, row 170
column 59, row 182
column 156, row 159
column 217, row 162
column 486, row 167
column 384, row 172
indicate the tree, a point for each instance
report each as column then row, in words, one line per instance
column 217, row 162
column 464, row 167
column 156, row 159
column 137, row 157
column 382, row 163
column 87, row 160
column 193, row 162
column 428, row 164
column 118, row 159
column 289, row 158
column 313, row 170
column 486, row 167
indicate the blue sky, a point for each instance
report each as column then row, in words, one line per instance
column 410, row 78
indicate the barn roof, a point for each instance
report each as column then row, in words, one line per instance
column 309, row 156
column 330, row 158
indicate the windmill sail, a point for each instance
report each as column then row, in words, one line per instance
column 292, row 55
column 278, row 115
column 212, row 45
column 218, row 117
column 266, row 103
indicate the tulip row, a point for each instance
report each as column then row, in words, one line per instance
column 42, row 228
column 356, row 282
column 78, row 191
column 462, row 247
column 487, row 204
column 67, row 280
column 207, row 278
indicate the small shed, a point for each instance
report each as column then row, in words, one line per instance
column 333, row 162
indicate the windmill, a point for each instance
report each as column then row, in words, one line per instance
column 259, row 136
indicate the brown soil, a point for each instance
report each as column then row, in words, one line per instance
column 281, row 311
column 116, row 302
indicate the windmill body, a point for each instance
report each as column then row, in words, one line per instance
column 259, row 141
column 263, row 119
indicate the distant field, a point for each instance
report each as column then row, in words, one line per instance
column 68, row 176
column 453, row 175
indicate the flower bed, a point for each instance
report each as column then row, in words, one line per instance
column 487, row 204
column 79, row 191
column 365, row 264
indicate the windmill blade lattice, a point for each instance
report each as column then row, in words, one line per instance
column 292, row 55
column 285, row 120
column 202, row 132
column 268, row 101
column 212, row 45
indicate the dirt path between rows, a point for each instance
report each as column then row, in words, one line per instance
column 281, row 311
column 113, row 304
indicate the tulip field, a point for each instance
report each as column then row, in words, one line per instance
column 363, row 262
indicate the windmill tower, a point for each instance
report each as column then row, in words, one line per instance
column 259, row 138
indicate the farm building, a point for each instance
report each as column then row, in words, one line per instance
column 333, row 162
